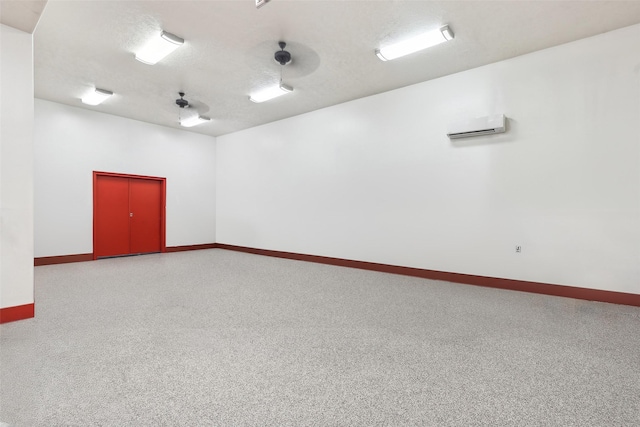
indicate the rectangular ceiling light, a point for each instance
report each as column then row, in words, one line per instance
column 193, row 121
column 96, row 96
column 415, row 44
column 260, row 3
column 270, row 93
column 159, row 47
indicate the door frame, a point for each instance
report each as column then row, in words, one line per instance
column 163, row 201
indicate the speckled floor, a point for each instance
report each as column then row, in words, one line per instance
column 219, row 338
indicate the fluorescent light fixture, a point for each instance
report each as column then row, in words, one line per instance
column 270, row 93
column 193, row 121
column 159, row 47
column 420, row 42
column 260, row 3
column 96, row 96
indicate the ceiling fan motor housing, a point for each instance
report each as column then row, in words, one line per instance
column 282, row 57
column 182, row 103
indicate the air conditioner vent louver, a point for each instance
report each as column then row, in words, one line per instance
column 488, row 125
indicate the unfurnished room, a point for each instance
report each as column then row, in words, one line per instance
column 319, row 213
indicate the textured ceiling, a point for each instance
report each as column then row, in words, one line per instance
column 21, row 14
column 229, row 46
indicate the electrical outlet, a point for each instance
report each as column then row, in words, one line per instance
column 518, row 249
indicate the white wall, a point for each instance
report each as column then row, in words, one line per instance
column 16, row 167
column 377, row 180
column 71, row 143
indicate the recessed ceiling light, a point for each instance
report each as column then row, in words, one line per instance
column 159, row 47
column 423, row 41
column 96, row 96
column 270, row 93
column 193, row 121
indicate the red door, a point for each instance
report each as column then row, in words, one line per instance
column 128, row 214
column 145, row 199
column 111, row 216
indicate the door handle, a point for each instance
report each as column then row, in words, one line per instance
column 130, row 214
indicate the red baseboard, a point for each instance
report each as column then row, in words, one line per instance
column 191, row 247
column 19, row 312
column 62, row 259
column 468, row 279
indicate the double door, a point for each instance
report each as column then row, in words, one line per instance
column 128, row 214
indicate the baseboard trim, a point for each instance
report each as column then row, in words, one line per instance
column 467, row 279
column 62, row 259
column 18, row 312
column 191, row 247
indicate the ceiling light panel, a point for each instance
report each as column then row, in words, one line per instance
column 194, row 121
column 96, row 96
column 159, row 47
column 423, row 41
column 270, row 93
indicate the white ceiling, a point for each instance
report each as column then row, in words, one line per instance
column 21, row 14
column 229, row 47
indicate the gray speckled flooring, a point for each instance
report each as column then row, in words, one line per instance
column 221, row 338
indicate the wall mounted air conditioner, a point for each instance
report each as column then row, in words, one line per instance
column 475, row 127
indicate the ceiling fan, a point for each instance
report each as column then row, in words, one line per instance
column 281, row 56
column 190, row 120
column 182, row 103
